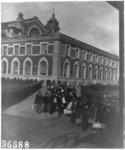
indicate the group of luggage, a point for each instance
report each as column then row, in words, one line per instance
column 96, row 116
column 82, row 112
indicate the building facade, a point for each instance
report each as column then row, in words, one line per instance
column 31, row 50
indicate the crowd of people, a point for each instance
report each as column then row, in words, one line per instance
column 84, row 113
column 56, row 99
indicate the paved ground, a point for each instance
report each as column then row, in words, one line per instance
column 24, row 109
column 21, row 123
column 47, row 133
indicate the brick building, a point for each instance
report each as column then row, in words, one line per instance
column 31, row 50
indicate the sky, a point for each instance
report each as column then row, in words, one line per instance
column 95, row 23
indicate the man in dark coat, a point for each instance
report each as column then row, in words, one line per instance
column 59, row 103
column 100, row 113
column 38, row 100
column 85, row 116
column 46, row 101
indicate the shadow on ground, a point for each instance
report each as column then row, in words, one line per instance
column 72, row 140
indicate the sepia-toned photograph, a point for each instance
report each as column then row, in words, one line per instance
column 62, row 74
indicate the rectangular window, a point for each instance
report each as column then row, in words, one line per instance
column 73, row 52
column 91, row 57
column 10, row 50
column 99, row 61
column 88, row 57
column 22, row 50
column 94, row 58
column 16, row 49
column 4, row 50
column 104, row 61
column 109, row 62
column 84, row 55
column 113, row 64
column 67, row 50
column 36, row 50
column 63, row 49
column 44, row 48
column 77, row 53
column 29, row 49
column 50, row 49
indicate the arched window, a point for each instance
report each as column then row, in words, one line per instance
column 43, row 66
column 66, row 69
column 4, row 67
column 76, row 71
column 101, row 73
column 34, row 31
column 96, row 73
column 15, row 67
column 110, row 75
column 105, row 74
column 28, row 68
column 114, row 75
column 83, row 71
column 90, row 72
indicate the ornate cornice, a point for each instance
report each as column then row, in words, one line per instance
column 29, row 39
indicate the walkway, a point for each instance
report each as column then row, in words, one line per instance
column 21, row 123
column 24, row 109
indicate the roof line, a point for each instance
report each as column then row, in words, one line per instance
column 85, row 44
column 24, row 20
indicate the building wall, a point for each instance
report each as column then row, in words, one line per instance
column 56, row 61
column 64, row 58
column 35, row 58
column 55, row 50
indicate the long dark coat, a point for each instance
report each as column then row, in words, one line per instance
column 38, row 99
